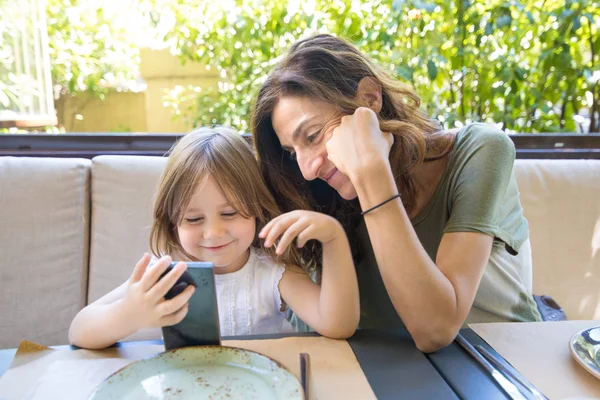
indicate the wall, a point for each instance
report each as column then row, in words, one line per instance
column 136, row 112
column 118, row 112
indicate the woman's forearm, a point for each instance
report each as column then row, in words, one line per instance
column 98, row 326
column 422, row 295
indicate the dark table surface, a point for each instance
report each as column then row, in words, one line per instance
column 395, row 368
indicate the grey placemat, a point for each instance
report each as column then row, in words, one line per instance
column 395, row 368
column 466, row 377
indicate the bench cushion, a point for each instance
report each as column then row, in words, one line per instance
column 44, row 225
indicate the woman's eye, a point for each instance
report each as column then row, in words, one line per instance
column 292, row 155
column 313, row 137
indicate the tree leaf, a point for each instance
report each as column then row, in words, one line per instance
column 520, row 73
column 398, row 4
column 518, row 102
column 530, row 17
column 489, row 28
column 576, row 23
column 422, row 5
column 405, row 72
column 566, row 13
column 504, row 21
column 432, row 70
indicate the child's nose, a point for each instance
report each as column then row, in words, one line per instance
column 213, row 229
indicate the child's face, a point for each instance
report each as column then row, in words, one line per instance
column 212, row 230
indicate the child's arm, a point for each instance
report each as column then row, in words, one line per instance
column 136, row 304
column 332, row 309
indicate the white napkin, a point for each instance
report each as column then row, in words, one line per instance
column 74, row 379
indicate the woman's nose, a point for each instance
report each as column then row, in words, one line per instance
column 310, row 164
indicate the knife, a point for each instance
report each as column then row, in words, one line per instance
column 507, row 386
column 509, row 374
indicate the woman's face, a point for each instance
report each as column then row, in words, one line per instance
column 304, row 126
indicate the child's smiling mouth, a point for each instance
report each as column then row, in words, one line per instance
column 215, row 248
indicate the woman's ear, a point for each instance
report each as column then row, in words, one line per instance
column 368, row 93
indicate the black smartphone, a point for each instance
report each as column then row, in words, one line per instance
column 201, row 324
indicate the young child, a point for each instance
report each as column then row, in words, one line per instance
column 213, row 205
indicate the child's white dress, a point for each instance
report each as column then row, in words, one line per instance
column 249, row 300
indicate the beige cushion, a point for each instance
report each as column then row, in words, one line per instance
column 44, row 225
column 561, row 201
column 122, row 193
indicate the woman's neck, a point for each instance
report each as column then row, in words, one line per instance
column 427, row 177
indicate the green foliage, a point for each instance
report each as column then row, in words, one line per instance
column 91, row 44
column 91, row 48
column 529, row 66
column 18, row 90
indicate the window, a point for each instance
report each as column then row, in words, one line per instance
column 26, row 99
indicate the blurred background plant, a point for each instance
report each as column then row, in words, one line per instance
column 528, row 66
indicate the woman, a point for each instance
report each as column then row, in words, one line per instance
column 442, row 240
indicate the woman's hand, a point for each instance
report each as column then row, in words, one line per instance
column 357, row 145
column 300, row 225
column 144, row 302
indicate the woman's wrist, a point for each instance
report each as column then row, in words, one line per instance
column 368, row 169
column 375, row 185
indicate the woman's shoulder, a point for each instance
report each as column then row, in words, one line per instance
column 479, row 134
column 483, row 142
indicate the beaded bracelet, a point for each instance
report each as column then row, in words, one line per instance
column 380, row 204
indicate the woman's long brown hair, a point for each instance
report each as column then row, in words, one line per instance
column 329, row 69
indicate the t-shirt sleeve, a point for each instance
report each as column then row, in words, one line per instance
column 480, row 183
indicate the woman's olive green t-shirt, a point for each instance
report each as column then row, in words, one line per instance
column 477, row 193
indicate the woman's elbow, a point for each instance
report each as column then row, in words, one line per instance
column 432, row 340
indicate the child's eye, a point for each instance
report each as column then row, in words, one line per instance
column 193, row 220
column 229, row 214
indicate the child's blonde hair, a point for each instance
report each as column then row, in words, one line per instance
column 223, row 154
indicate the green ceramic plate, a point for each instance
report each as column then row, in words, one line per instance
column 585, row 348
column 202, row 372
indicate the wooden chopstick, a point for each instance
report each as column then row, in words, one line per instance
column 304, row 371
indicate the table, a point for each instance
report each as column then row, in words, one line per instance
column 394, row 367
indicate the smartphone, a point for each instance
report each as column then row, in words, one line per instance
column 201, row 324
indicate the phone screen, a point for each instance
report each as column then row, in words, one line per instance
column 201, row 324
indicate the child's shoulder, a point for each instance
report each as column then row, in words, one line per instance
column 261, row 260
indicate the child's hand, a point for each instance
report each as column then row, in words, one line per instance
column 144, row 302
column 300, row 225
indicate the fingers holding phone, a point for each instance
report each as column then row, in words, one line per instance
column 145, row 301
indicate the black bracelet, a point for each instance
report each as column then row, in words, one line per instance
column 380, row 204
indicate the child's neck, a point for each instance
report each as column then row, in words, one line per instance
column 234, row 266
